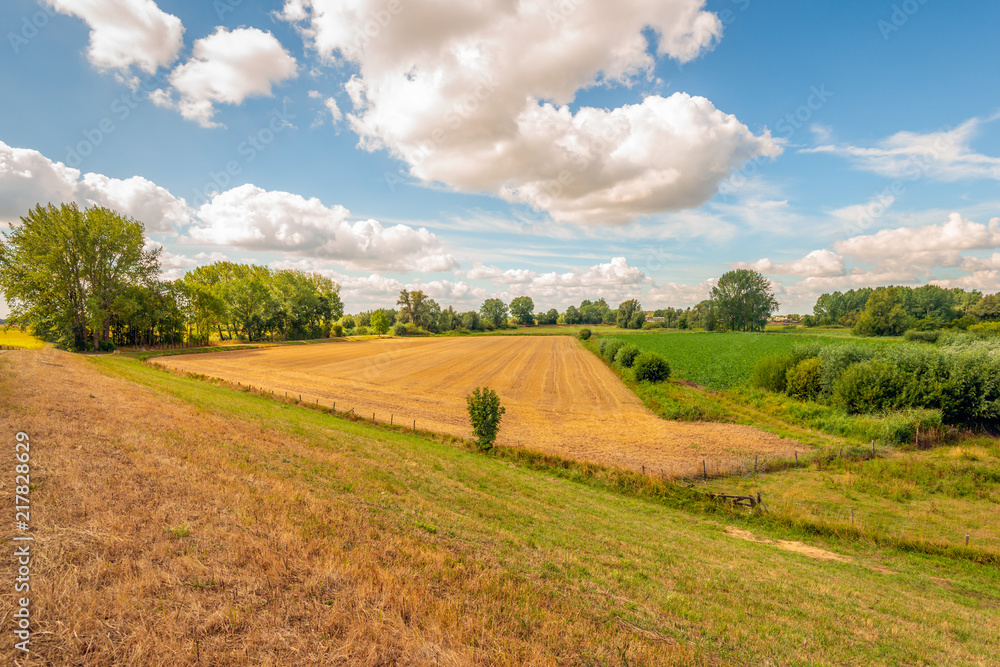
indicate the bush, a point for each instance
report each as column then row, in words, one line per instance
column 802, row 380
column 107, row 346
column 337, row 330
column 836, row 359
column 922, row 336
column 971, row 394
column 361, row 331
column 348, row 322
column 398, row 329
column 610, row 347
column 985, row 329
column 626, row 355
column 869, row 386
column 771, row 373
column 584, row 334
column 485, row 413
column 650, row 367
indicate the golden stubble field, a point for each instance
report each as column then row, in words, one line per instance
column 560, row 399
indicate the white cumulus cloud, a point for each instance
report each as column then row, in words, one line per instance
column 227, row 67
column 124, row 33
column 255, row 219
column 817, row 264
column 28, row 178
column 475, row 96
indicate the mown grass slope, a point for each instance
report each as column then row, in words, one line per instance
column 178, row 522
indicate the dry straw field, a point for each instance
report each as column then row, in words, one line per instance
column 560, row 399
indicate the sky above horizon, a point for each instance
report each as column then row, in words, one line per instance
column 564, row 150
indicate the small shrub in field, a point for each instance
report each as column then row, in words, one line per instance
column 771, row 373
column 337, row 330
column 626, row 355
column 485, row 413
column 398, row 329
column 802, row 379
column 650, row 367
column 610, row 348
column 870, row 386
column 362, row 331
column 584, row 334
column 922, row 336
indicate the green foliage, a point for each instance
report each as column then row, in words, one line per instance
column 802, row 380
column 626, row 354
column 836, row 359
column 630, row 315
column 485, row 413
column 650, row 367
column 971, row 395
column 399, row 329
column 771, row 373
column 520, row 309
column 494, row 311
column 348, row 322
column 584, row 334
column 985, row 329
column 922, row 336
column 870, row 386
column 743, row 301
column 380, row 323
column 883, row 315
column 337, row 330
column 609, row 348
column 62, row 270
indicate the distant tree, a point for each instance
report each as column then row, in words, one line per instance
column 379, row 322
column 470, row 321
column 988, row 308
column 572, row 316
column 550, row 317
column 883, row 315
column 630, row 315
column 743, row 300
column 485, row 413
column 62, row 269
column 494, row 311
column 521, row 308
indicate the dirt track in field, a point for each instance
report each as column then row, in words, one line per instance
column 559, row 397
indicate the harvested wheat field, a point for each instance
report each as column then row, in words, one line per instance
column 560, row 399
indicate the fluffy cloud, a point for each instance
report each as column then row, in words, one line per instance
column 124, row 33
column 227, row 67
column 330, row 104
column 927, row 246
column 818, row 263
column 614, row 280
column 944, row 155
column 476, row 97
column 255, row 219
column 27, row 178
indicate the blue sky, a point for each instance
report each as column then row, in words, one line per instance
column 563, row 150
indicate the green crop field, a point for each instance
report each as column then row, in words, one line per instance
column 724, row 360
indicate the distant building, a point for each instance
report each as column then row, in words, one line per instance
column 656, row 319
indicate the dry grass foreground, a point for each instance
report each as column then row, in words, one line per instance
column 178, row 523
column 560, row 399
column 165, row 536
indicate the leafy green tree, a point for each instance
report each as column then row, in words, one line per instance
column 521, row 308
column 485, row 413
column 743, row 300
column 494, row 311
column 379, row 322
column 630, row 315
column 470, row 320
column 62, row 269
column 987, row 309
column 572, row 316
column 883, row 315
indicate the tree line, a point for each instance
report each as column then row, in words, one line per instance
column 893, row 310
